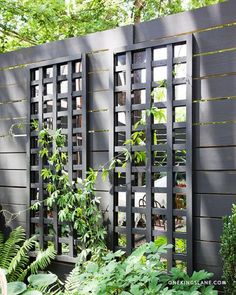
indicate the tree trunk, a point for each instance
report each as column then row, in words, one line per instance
column 137, row 8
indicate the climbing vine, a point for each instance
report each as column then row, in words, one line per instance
column 76, row 201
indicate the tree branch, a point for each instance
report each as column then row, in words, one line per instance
column 12, row 33
column 137, row 8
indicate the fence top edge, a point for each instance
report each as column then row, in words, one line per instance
column 105, row 39
column 188, row 22
column 94, row 42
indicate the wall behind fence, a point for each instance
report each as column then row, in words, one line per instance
column 214, row 114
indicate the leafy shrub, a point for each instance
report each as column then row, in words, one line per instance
column 228, row 252
column 14, row 256
column 40, row 284
column 76, row 201
column 142, row 273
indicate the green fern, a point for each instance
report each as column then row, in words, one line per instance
column 1, row 242
column 15, row 259
column 11, row 246
column 72, row 283
column 42, row 260
column 21, row 260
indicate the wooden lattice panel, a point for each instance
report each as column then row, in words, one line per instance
column 152, row 197
column 57, row 94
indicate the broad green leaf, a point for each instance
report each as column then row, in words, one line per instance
column 42, row 280
column 105, row 173
column 15, row 288
column 92, row 267
column 32, row 292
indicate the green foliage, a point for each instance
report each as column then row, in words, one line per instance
column 40, row 284
column 76, row 201
column 28, row 22
column 15, row 288
column 33, row 292
column 143, row 272
column 25, row 22
column 228, row 252
column 180, row 244
column 14, row 256
column 153, row 8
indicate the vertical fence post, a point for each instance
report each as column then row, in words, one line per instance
column 170, row 221
column 149, row 196
column 70, row 146
column 54, row 124
column 111, row 204
column 189, row 132
column 28, row 148
column 41, row 198
column 84, row 116
column 129, row 201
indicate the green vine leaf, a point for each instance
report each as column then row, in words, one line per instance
column 105, row 173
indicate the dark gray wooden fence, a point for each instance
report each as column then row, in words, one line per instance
column 214, row 117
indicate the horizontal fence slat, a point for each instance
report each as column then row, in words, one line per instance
column 13, row 161
column 213, row 205
column 99, row 120
column 190, row 21
column 13, row 110
column 221, row 158
column 207, row 229
column 216, row 87
column 10, row 144
column 13, row 195
column 99, row 141
column 99, row 61
column 13, row 92
column 92, row 42
column 13, row 178
column 214, row 182
column 214, row 40
column 98, row 81
column 13, row 76
column 207, row 253
column 98, row 159
column 214, row 135
column 214, row 111
column 214, row 64
column 99, row 100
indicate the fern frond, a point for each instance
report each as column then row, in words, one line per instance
column 54, row 289
column 21, row 259
column 11, row 246
column 72, row 284
column 42, row 260
column 1, row 242
column 17, row 273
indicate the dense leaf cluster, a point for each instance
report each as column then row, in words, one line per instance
column 228, row 252
column 76, row 201
column 142, row 273
column 14, row 257
column 25, row 22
